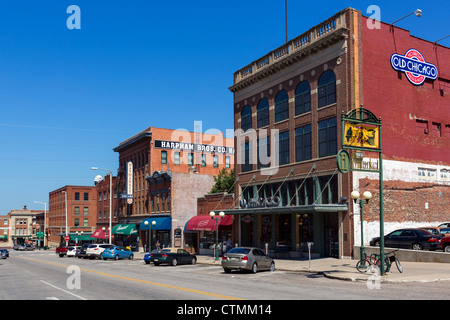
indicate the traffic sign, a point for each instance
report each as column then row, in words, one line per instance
column 66, row 238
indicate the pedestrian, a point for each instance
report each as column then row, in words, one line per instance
column 228, row 244
column 158, row 245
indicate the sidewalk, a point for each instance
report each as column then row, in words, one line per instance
column 346, row 269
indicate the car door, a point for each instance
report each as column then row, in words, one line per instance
column 392, row 239
column 407, row 238
column 182, row 256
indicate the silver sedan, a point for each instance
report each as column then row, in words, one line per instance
column 245, row 258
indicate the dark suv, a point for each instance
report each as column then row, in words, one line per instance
column 81, row 251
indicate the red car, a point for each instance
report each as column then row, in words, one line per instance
column 444, row 243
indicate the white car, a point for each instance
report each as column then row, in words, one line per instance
column 71, row 251
column 95, row 250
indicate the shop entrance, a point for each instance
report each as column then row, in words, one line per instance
column 331, row 229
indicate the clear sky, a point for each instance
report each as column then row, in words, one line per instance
column 68, row 97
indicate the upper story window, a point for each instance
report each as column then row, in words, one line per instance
column 283, row 145
column 246, row 155
column 303, row 143
column 177, row 158
column 281, row 106
column 263, row 113
column 246, row 118
column 163, row 157
column 327, row 89
column 302, row 98
column 327, row 137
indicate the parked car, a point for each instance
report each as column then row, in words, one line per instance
column 95, row 250
column 116, row 253
column 416, row 239
column 445, row 225
column 438, row 231
column 172, row 256
column 4, row 253
column 71, row 251
column 25, row 247
column 81, row 251
column 244, row 258
column 61, row 251
column 444, row 243
column 147, row 255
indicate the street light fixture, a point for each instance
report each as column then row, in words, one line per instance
column 149, row 234
column 212, row 214
column 366, row 196
column 110, row 198
column 417, row 12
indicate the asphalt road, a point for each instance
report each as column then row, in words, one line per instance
column 41, row 275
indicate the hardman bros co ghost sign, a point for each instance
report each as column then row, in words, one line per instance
column 414, row 66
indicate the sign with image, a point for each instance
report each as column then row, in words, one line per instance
column 414, row 66
column 359, row 135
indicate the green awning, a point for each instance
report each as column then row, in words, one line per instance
column 126, row 229
column 81, row 237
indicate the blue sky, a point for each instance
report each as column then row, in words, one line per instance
column 68, row 97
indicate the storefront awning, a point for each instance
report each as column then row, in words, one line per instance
column 81, row 237
column 125, row 229
column 161, row 223
column 100, row 234
column 205, row 223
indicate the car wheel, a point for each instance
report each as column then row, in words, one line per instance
column 147, row 262
column 227, row 270
column 131, row 257
column 377, row 243
column 447, row 249
column 193, row 261
column 416, row 246
column 116, row 257
column 254, row 268
column 105, row 258
column 272, row 267
column 174, row 262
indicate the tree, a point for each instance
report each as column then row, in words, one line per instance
column 223, row 182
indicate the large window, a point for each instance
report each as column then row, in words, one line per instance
column 327, row 137
column 246, row 164
column 327, row 89
column 263, row 152
column 283, row 148
column 302, row 98
column 163, row 157
column 281, row 106
column 246, row 118
column 263, row 113
column 303, row 143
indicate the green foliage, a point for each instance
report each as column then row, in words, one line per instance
column 223, row 182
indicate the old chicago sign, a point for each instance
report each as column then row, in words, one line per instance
column 414, row 66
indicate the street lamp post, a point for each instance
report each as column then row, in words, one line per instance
column 45, row 216
column 149, row 234
column 417, row 12
column 110, row 198
column 212, row 214
column 366, row 196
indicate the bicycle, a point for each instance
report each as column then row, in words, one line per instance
column 368, row 263
column 373, row 262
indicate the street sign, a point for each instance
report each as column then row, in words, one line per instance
column 66, row 238
column 39, row 234
column 126, row 196
column 343, row 161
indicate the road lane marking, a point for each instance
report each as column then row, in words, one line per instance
column 68, row 292
column 210, row 294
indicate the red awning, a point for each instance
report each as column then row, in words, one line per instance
column 205, row 223
column 100, row 234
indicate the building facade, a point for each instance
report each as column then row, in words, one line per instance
column 161, row 174
column 19, row 227
column 288, row 106
column 72, row 212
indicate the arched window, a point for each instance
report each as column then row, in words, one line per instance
column 246, row 118
column 281, row 106
column 327, row 89
column 302, row 98
column 263, row 113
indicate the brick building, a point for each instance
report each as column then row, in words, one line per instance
column 77, row 204
column 161, row 174
column 288, row 105
column 19, row 227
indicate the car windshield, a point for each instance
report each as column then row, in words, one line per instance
column 239, row 251
column 92, row 246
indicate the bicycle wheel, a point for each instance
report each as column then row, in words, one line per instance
column 399, row 266
column 363, row 266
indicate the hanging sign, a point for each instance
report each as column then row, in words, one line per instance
column 130, row 182
column 414, row 66
column 358, row 135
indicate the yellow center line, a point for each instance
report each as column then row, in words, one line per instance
column 210, row 294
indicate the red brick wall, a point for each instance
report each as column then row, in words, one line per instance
column 399, row 103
